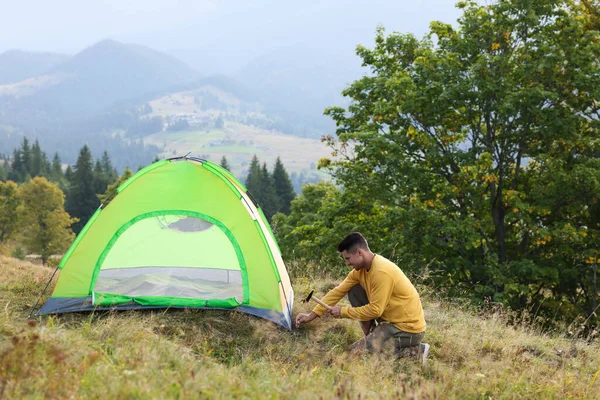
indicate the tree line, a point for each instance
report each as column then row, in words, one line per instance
column 44, row 206
column 472, row 158
column 273, row 191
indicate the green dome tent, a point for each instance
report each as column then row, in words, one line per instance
column 182, row 232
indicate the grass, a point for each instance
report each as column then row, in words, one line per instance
column 298, row 154
column 217, row 354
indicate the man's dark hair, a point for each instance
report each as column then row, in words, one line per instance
column 353, row 241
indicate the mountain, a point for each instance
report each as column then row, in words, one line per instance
column 96, row 78
column 298, row 83
column 109, row 72
column 17, row 65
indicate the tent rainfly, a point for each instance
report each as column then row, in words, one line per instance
column 184, row 233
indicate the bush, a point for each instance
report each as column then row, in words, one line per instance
column 19, row 253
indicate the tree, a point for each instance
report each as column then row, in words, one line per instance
column 16, row 167
column 56, row 173
column 460, row 141
column 267, row 197
column 113, row 187
column 254, row 178
column 39, row 162
column 4, row 170
column 81, row 200
column 225, row 164
column 46, row 225
column 283, row 187
column 9, row 215
column 26, row 159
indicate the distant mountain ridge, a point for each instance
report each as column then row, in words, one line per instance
column 109, row 72
column 18, row 65
column 298, row 83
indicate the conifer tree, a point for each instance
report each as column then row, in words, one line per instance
column 56, row 172
column 283, row 187
column 112, row 187
column 37, row 161
column 82, row 201
column 26, row 160
column 225, row 164
column 254, row 178
column 268, row 200
column 16, row 167
column 69, row 174
column 107, row 168
column 4, row 171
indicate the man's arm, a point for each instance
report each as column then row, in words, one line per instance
column 379, row 297
column 337, row 293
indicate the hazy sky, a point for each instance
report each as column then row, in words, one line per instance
column 249, row 26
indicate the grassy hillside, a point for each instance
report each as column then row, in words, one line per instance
column 218, row 354
column 237, row 141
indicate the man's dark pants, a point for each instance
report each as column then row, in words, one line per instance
column 384, row 336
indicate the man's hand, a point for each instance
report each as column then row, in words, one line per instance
column 336, row 311
column 304, row 318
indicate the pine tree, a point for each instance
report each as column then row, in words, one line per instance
column 225, row 164
column 69, row 176
column 113, row 186
column 82, row 201
column 268, row 200
column 56, row 172
column 254, row 178
column 16, row 167
column 4, row 170
column 26, row 160
column 107, row 168
column 38, row 160
column 283, row 187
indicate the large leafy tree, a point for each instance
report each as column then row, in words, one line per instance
column 46, row 225
column 481, row 143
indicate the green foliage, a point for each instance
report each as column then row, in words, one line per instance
column 260, row 184
column 283, row 187
column 19, row 253
column 46, row 225
column 476, row 157
column 224, row 164
column 81, row 198
column 113, row 187
column 9, row 211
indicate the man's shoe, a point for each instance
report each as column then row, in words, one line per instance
column 424, row 353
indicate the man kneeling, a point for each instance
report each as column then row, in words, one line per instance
column 383, row 299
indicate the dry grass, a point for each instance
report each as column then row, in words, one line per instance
column 218, row 354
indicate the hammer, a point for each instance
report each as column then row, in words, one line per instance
column 311, row 297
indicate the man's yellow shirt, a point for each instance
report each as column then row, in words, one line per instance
column 392, row 296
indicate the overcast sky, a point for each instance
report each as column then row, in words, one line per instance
column 252, row 26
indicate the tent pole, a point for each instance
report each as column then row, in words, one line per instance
column 38, row 300
column 287, row 305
